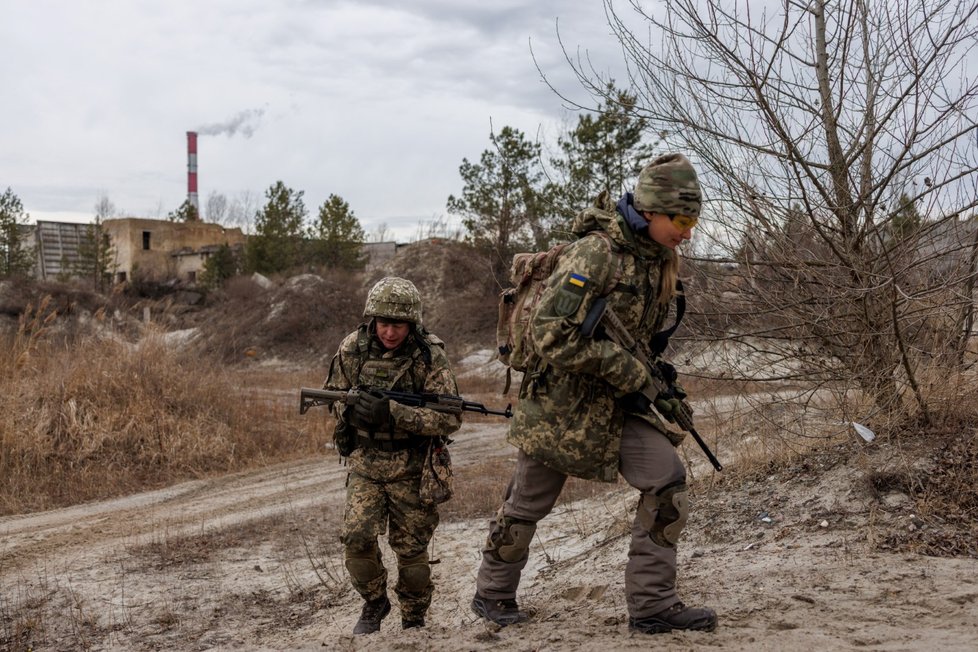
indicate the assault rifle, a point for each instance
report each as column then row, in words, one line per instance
column 661, row 387
column 309, row 397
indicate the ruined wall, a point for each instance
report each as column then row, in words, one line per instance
column 162, row 250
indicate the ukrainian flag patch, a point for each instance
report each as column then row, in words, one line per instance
column 570, row 295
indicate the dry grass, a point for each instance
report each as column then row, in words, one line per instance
column 95, row 417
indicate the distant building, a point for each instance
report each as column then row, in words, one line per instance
column 162, row 250
column 56, row 246
column 158, row 250
column 378, row 253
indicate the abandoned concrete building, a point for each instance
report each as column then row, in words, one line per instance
column 162, row 250
column 157, row 250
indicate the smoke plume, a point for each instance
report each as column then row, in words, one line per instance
column 245, row 122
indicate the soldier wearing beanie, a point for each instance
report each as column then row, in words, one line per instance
column 387, row 444
column 579, row 413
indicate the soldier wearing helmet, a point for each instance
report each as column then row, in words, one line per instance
column 579, row 411
column 386, row 444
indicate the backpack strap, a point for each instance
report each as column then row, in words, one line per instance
column 363, row 349
column 660, row 340
column 614, row 283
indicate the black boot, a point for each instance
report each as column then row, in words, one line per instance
column 372, row 615
column 678, row 616
column 411, row 623
column 501, row 612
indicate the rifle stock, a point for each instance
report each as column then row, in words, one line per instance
column 602, row 315
column 309, row 397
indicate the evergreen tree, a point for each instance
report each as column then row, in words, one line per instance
column 16, row 258
column 604, row 152
column 906, row 219
column 219, row 267
column 278, row 232
column 186, row 213
column 501, row 203
column 337, row 237
column 96, row 256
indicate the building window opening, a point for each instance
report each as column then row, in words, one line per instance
column 146, row 240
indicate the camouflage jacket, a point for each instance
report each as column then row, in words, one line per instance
column 418, row 365
column 567, row 416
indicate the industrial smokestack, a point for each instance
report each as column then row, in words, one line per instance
column 192, row 171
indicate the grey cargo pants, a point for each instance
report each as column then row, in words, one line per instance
column 648, row 462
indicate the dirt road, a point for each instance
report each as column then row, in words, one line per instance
column 250, row 562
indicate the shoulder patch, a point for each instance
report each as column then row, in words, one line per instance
column 570, row 295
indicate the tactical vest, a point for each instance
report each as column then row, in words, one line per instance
column 398, row 372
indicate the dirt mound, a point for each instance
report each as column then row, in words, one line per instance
column 457, row 287
column 299, row 320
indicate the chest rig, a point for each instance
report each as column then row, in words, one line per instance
column 398, row 370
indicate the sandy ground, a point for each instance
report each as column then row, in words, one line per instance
column 249, row 562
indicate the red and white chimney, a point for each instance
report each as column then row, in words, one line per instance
column 192, row 170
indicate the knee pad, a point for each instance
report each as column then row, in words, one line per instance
column 510, row 539
column 671, row 506
column 364, row 565
column 414, row 573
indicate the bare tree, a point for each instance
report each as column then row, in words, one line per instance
column 816, row 125
column 242, row 211
column 380, row 233
column 216, row 207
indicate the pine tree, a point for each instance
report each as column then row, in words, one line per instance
column 337, row 237
column 96, row 255
column 16, row 257
column 501, row 204
column 278, row 232
column 219, row 267
column 186, row 213
column 604, row 152
column 906, row 219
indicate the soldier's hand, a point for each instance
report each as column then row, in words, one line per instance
column 372, row 410
column 669, row 407
column 667, row 371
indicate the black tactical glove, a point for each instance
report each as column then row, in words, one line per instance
column 372, row 411
column 669, row 402
column 667, row 371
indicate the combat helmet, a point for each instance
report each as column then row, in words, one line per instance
column 668, row 185
column 394, row 298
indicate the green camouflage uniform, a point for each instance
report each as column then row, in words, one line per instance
column 567, row 415
column 570, row 420
column 383, row 485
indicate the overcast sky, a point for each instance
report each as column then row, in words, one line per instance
column 373, row 100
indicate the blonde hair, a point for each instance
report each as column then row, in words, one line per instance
column 667, row 281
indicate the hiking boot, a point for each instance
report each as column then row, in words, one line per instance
column 678, row 616
column 501, row 612
column 411, row 623
column 372, row 615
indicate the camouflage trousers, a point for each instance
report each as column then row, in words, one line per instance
column 648, row 462
column 371, row 507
